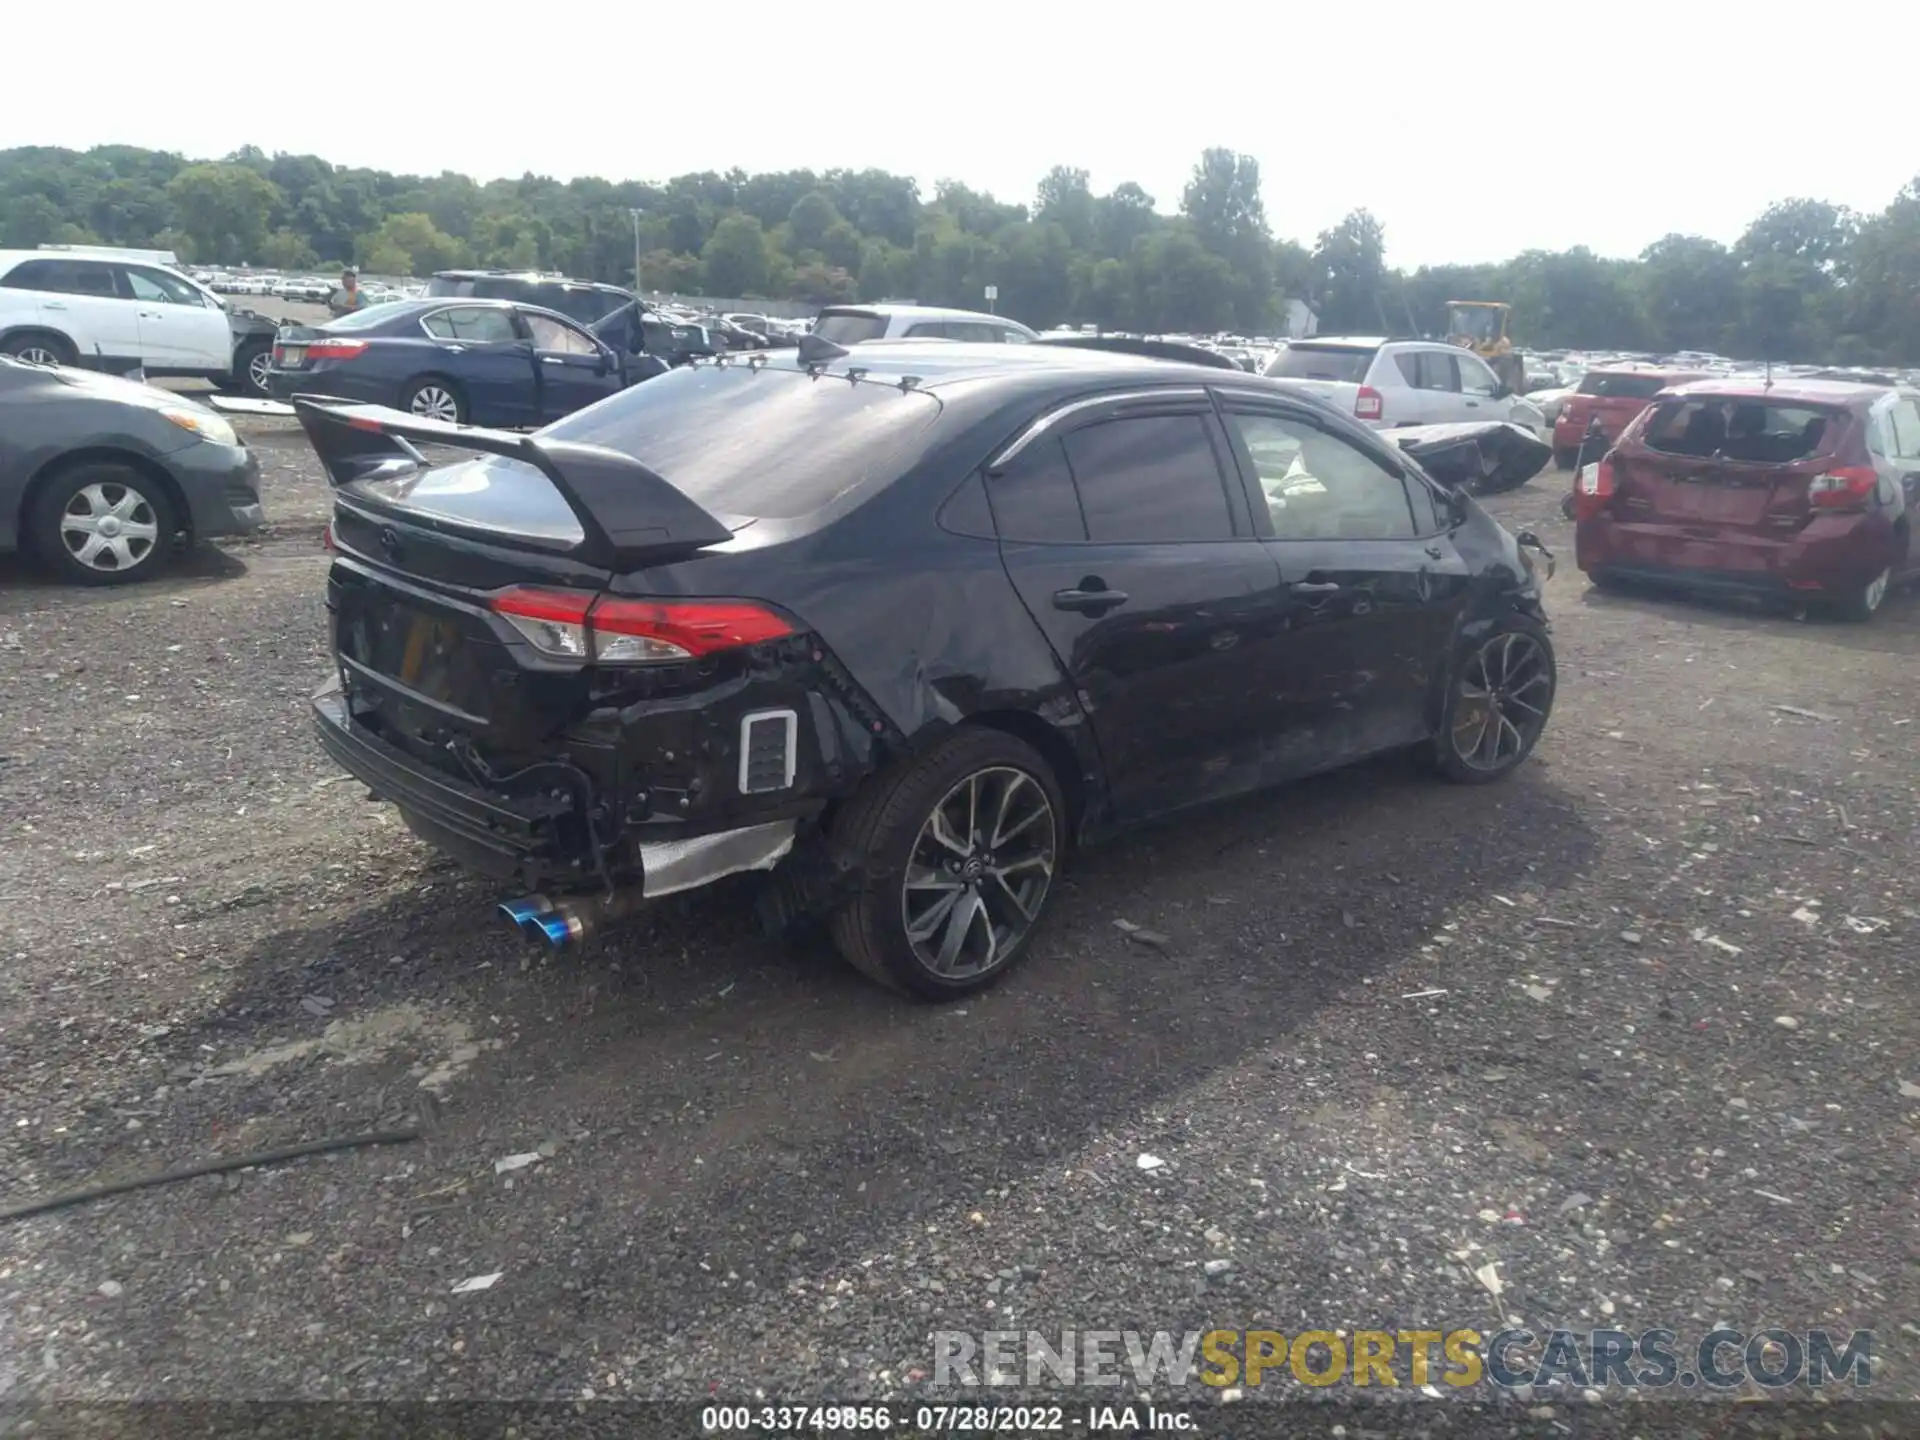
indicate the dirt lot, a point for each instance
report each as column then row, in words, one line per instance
column 1641, row 1026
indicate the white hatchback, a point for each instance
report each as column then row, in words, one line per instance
column 1403, row 382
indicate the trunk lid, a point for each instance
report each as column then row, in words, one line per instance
column 1719, row 463
column 423, row 548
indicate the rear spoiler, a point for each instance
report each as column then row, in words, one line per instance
column 628, row 514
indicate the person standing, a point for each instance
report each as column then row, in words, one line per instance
column 349, row 297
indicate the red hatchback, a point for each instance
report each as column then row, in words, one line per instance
column 1801, row 489
column 1613, row 394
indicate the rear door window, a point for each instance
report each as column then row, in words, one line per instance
column 1149, row 479
column 1343, row 363
column 1033, row 496
column 63, row 277
column 473, row 325
column 928, row 330
column 1751, row 431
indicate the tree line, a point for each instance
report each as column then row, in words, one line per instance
column 1807, row 280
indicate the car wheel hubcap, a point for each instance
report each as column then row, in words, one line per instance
column 1876, row 590
column 109, row 527
column 257, row 369
column 39, row 355
column 434, row 403
column 978, row 873
column 1504, row 692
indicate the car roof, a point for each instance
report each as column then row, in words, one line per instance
column 1811, row 392
column 530, row 277
column 1344, row 342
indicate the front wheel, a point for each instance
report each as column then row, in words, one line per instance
column 250, row 366
column 959, row 847
column 1498, row 701
column 104, row 524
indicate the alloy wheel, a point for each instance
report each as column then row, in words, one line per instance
column 36, row 355
column 1501, row 704
column 979, row 873
column 109, row 527
column 257, row 369
column 435, row 402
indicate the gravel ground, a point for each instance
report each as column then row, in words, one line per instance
column 1639, row 1025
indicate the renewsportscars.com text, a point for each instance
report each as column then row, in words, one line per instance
column 1720, row 1359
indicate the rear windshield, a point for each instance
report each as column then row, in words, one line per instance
column 761, row 440
column 1735, row 428
column 1322, row 362
column 850, row 327
column 1615, row 385
column 450, row 285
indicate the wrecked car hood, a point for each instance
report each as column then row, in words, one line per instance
column 1482, row 457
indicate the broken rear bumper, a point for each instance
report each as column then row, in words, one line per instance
column 529, row 839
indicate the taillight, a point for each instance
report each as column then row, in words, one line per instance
column 326, row 538
column 1845, row 487
column 279, row 354
column 1593, row 488
column 334, row 349
column 606, row 630
column 1368, row 404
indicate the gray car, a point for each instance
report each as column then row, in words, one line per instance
column 100, row 477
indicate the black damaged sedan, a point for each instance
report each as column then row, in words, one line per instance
column 901, row 624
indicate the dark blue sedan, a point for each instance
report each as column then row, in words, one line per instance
column 474, row 362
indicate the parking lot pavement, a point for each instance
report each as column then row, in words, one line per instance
column 1639, row 1026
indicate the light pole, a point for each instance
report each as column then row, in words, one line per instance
column 636, row 214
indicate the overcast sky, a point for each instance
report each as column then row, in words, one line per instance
column 1473, row 131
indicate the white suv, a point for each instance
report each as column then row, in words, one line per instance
column 67, row 309
column 1403, row 382
column 851, row 324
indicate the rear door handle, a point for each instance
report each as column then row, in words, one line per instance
column 1316, row 587
column 53, row 304
column 1089, row 602
column 551, row 360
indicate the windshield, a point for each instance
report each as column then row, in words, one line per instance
column 1476, row 322
column 1344, row 363
column 850, row 327
column 761, row 440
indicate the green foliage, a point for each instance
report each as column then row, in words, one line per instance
column 1808, row 280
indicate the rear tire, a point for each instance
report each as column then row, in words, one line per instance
column 1860, row 605
column 72, row 535
column 432, row 398
column 1499, row 698
column 41, row 347
column 959, row 847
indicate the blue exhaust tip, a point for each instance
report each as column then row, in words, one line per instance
column 554, row 927
column 525, row 909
